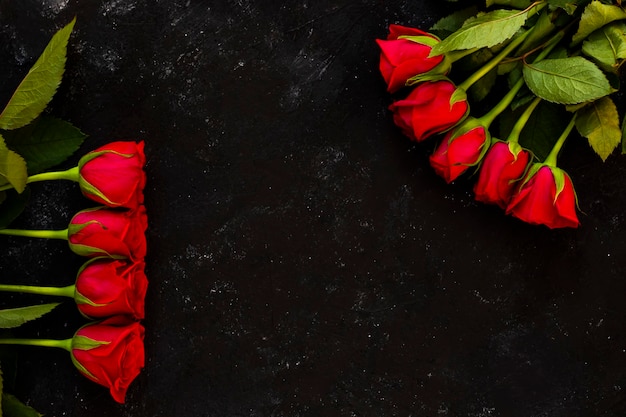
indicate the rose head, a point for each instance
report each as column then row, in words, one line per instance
column 108, row 287
column 109, row 232
column 504, row 164
column 404, row 54
column 110, row 353
column 545, row 197
column 427, row 111
column 462, row 147
column 113, row 175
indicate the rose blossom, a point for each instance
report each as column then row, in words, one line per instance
column 503, row 165
column 109, row 232
column 546, row 197
column 108, row 287
column 113, row 174
column 461, row 148
column 403, row 58
column 427, row 110
column 110, row 353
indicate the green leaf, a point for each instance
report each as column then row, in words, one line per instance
column 596, row 15
column 12, row 206
column 36, row 89
column 45, row 143
column 486, row 30
column 568, row 5
column 453, row 22
column 566, row 80
column 607, row 46
column 599, row 123
column 15, row 317
column 12, row 167
column 12, row 407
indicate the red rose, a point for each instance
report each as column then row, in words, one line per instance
column 401, row 59
column 113, row 175
column 427, row 110
column 109, row 232
column 503, row 165
column 108, row 287
column 460, row 148
column 546, row 197
column 110, row 353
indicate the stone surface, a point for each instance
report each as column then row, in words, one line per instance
column 304, row 259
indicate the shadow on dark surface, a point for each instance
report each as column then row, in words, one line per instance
column 304, row 259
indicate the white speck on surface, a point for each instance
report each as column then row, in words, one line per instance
column 56, row 6
column 117, row 7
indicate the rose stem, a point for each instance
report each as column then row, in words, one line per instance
column 33, row 289
column 551, row 158
column 71, row 174
column 63, row 344
column 43, row 234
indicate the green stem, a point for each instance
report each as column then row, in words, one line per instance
column 489, row 117
column 32, row 289
column 71, row 174
column 43, row 234
column 523, row 119
column 484, row 70
column 551, row 158
column 63, row 344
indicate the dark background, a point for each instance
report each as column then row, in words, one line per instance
column 304, row 259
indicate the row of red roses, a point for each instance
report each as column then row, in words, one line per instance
column 535, row 192
column 111, row 286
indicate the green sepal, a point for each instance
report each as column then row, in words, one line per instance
column 559, row 180
column 81, row 299
column 85, row 343
column 430, row 76
column 93, row 155
column 458, row 95
column 85, row 250
column 89, row 188
column 422, row 39
column 532, row 170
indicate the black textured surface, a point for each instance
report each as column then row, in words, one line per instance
column 304, row 259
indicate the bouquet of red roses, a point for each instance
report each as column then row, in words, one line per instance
column 110, row 288
column 560, row 57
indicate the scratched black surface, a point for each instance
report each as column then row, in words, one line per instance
column 304, row 259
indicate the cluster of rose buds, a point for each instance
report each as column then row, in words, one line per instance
column 535, row 192
column 111, row 286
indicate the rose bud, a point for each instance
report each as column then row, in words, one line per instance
column 545, row 197
column 108, row 287
column 109, row 232
column 503, row 165
column 427, row 110
column 113, row 174
column 405, row 54
column 462, row 147
column 110, row 353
